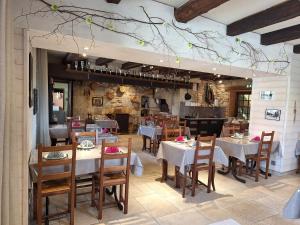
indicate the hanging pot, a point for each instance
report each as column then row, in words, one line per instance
column 187, row 95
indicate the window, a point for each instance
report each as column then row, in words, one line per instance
column 243, row 105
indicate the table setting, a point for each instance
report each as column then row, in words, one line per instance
column 87, row 160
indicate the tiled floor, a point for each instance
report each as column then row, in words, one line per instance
column 152, row 202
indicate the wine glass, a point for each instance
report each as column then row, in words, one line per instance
column 76, row 65
column 82, row 65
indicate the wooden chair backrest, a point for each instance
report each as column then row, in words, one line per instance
column 205, row 147
column 104, row 169
column 266, row 142
column 78, row 137
column 69, row 164
column 169, row 134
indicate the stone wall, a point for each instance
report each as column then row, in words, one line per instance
column 221, row 92
column 118, row 99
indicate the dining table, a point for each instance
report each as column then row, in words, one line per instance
column 107, row 123
column 155, row 133
column 237, row 149
column 87, row 162
column 182, row 155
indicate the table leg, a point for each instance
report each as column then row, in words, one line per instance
column 233, row 169
column 144, row 143
column 298, row 170
column 164, row 170
column 113, row 192
column 53, row 141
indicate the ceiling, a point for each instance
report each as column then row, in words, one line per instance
column 235, row 10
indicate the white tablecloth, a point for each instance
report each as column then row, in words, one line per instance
column 58, row 131
column 182, row 155
column 107, row 123
column 239, row 148
column 88, row 161
column 155, row 132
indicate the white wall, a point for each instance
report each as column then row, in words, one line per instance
column 258, row 123
column 112, row 45
column 292, row 128
column 287, row 91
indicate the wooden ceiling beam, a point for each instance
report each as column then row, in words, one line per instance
column 130, row 65
column 278, row 13
column 113, row 1
column 296, row 49
column 282, row 35
column 103, row 61
column 194, row 8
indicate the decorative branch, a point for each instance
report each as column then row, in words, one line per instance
column 203, row 42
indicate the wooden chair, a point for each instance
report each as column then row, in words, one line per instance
column 263, row 154
column 83, row 181
column 55, row 183
column 203, row 161
column 169, row 134
column 111, row 176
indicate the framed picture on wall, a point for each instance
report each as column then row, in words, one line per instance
column 97, row 101
column 273, row 114
column 266, row 95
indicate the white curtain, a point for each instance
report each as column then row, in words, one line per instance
column 42, row 86
column 12, row 190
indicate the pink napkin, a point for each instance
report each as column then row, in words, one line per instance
column 180, row 138
column 112, row 150
column 256, row 139
column 105, row 130
column 76, row 124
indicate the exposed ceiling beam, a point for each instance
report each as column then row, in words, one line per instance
column 130, row 65
column 103, row 61
column 278, row 13
column 282, row 35
column 296, row 49
column 113, row 1
column 194, row 8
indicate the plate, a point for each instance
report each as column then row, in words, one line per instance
column 235, row 137
column 55, row 156
column 85, row 148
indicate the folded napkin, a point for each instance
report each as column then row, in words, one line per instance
column 105, row 130
column 76, row 124
column 112, row 149
column 180, row 138
column 256, row 139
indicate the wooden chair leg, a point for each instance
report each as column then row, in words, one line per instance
column 257, row 170
column 39, row 210
column 184, row 184
column 213, row 177
column 209, row 179
column 75, row 195
column 72, row 200
column 93, row 193
column 47, row 211
column 267, row 168
column 126, row 198
column 100, row 202
column 194, row 181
